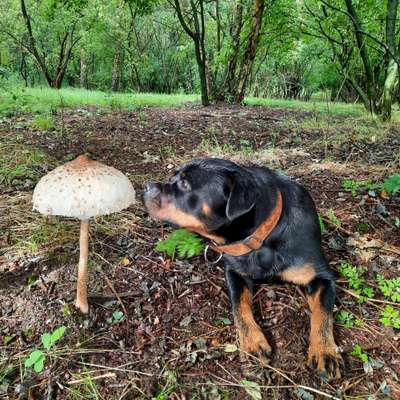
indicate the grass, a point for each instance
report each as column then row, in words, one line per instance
column 44, row 100
column 318, row 107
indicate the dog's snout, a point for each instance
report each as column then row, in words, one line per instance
column 152, row 189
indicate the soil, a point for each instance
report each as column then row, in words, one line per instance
column 172, row 340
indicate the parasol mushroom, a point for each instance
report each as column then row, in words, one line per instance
column 83, row 188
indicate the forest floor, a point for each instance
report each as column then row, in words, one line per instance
column 161, row 328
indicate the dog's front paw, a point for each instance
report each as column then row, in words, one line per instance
column 326, row 360
column 253, row 342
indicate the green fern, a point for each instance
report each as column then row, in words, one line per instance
column 181, row 242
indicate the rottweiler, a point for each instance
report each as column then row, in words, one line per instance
column 266, row 228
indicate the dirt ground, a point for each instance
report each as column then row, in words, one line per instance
column 172, row 340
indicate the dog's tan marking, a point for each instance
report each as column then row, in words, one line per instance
column 251, row 338
column 322, row 352
column 206, row 209
column 169, row 212
column 301, row 275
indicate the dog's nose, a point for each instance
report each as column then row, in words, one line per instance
column 152, row 189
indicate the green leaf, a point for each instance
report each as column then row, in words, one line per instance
column 252, row 388
column 34, row 357
column 8, row 339
column 321, row 224
column 392, row 184
column 47, row 340
column 118, row 316
column 39, row 365
column 58, row 334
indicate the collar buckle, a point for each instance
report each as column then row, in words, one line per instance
column 208, row 261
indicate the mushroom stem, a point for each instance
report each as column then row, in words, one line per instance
column 81, row 290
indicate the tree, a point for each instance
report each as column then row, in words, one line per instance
column 192, row 20
column 48, row 32
column 365, row 52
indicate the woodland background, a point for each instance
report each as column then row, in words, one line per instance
column 344, row 50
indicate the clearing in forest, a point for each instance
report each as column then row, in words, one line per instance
column 158, row 326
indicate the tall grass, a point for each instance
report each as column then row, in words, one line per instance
column 39, row 100
column 16, row 99
column 316, row 106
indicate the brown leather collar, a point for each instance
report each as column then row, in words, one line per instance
column 256, row 239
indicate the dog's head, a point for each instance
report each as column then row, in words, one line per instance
column 203, row 196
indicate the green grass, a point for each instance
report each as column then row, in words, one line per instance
column 319, row 107
column 44, row 100
column 355, row 110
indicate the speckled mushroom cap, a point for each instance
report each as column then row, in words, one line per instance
column 83, row 188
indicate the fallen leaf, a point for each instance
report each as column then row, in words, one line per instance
column 125, row 261
column 230, row 348
column 252, row 388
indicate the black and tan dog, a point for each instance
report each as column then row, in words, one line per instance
column 267, row 228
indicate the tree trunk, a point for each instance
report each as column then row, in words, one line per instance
column 116, row 73
column 83, row 71
column 370, row 80
column 251, row 48
column 391, row 82
column 202, row 75
column 32, row 45
column 198, row 36
column 200, row 50
column 230, row 85
column 392, row 77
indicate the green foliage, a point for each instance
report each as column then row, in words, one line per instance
column 321, row 224
column 45, row 100
column 253, row 389
column 355, row 281
column 117, row 317
column 353, row 275
column 333, row 219
column 182, row 242
column 36, row 358
column 390, row 317
column 43, row 123
column 16, row 167
column 392, row 184
column 170, row 382
column 345, row 318
column 353, row 185
column 358, row 352
column 389, row 287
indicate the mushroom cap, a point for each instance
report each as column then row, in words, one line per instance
column 83, row 188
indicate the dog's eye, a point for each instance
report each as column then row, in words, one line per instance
column 183, row 185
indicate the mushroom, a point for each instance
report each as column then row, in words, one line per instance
column 83, row 188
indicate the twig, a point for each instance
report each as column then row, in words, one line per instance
column 107, row 375
column 111, row 286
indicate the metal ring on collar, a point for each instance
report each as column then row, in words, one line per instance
column 206, row 258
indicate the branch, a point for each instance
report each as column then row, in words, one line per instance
column 178, row 10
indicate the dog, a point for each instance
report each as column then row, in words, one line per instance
column 266, row 228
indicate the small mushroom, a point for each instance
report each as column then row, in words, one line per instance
column 83, row 188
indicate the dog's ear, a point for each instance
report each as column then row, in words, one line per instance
column 242, row 196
